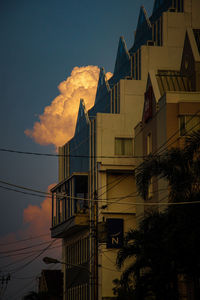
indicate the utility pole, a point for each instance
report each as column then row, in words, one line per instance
column 95, row 246
column 94, row 249
column 4, row 279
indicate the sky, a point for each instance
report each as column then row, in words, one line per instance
column 50, row 56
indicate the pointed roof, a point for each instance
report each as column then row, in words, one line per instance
column 191, row 51
column 159, row 7
column 123, row 55
column 149, row 98
column 191, row 58
column 157, row 4
column 143, row 31
column 103, row 85
column 143, row 18
column 82, row 118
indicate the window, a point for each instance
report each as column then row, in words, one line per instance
column 188, row 124
column 149, row 143
column 133, row 66
column 150, row 189
column 177, row 5
column 77, row 252
column 115, row 99
column 157, row 34
column 136, row 65
column 123, row 146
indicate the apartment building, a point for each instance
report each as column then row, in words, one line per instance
column 171, row 110
column 93, row 202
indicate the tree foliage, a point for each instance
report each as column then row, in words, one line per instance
column 37, row 296
column 166, row 245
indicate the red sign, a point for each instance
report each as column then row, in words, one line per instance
column 148, row 104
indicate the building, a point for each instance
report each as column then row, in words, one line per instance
column 93, row 203
column 51, row 284
column 171, row 109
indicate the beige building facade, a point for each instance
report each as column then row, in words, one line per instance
column 136, row 111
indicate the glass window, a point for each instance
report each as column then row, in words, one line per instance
column 118, row 97
column 136, row 66
column 113, row 97
column 158, row 33
column 133, row 66
column 149, row 143
column 139, row 57
column 188, row 124
column 123, row 146
column 150, row 189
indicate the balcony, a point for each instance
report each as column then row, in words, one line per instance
column 70, row 226
column 70, row 206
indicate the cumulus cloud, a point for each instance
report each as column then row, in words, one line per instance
column 56, row 125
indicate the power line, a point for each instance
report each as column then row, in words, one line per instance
column 21, row 192
column 30, row 254
column 65, row 155
column 32, row 260
column 23, row 240
column 89, row 199
column 24, row 188
column 24, row 248
column 177, row 131
column 48, row 194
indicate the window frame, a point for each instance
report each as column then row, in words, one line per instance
column 183, row 122
column 123, row 151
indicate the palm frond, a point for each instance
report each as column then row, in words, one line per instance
column 192, row 143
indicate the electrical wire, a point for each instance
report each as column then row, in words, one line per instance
column 23, row 240
column 24, row 253
column 24, row 248
column 21, row 192
column 97, row 200
column 24, row 188
column 18, row 292
column 177, row 131
column 78, row 198
column 32, row 260
column 162, row 202
column 67, row 155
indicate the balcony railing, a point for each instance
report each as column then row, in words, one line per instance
column 70, row 205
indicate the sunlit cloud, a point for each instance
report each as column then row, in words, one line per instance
column 57, row 123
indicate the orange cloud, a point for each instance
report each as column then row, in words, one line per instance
column 37, row 221
column 56, row 125
column 38, row 218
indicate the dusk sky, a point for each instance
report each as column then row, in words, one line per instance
column 50, row 56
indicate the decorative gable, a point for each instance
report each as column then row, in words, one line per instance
column 158, row 4
column 144, row 30
column 103, row 85
column 191, row 60
column 123, row 56
column 148, row 102
column 82, row 118
column 159, row 7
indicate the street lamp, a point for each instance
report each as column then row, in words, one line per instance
column 50, row 260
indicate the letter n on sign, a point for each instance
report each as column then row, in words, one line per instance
column 115, row 233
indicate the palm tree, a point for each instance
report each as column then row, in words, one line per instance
column 31, row 296
column 146, row 271
column 37, row 296
column 166, row 244
column 180, row 167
